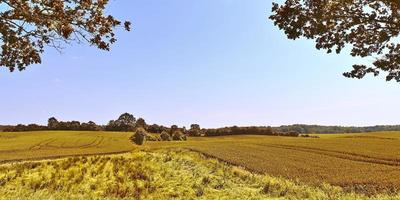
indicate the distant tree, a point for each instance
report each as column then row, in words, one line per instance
column 235, row 130
column 141, row 123
column 5, row 128
column 111, row 126
column 303, row 128
column 74, row 125
column 195, row 126
column 155, row 128
column 22, row 127
column 370, row 28
column 127, row 119
column 195, row 130
column 27, row 26
column 35, row 127
column 173, row 129
column 90, row 126
column 63, row 126
column 52, row 123
column 125, row 122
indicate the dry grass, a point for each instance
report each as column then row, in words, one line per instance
column 47, row 144
column 164, row 174
column 366, row 163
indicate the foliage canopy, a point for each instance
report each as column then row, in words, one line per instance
column 369, row 27
column 26, row 27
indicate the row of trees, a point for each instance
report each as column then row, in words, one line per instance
column 128, row 123
column 21, row 128
column 305, row 129
column 125, row 122
column 235, row 130
column 54, row 124
column 141, row 136
column 4, row 127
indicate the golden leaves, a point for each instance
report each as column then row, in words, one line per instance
column 366, row 26
column 27, row 26
column 66, row 30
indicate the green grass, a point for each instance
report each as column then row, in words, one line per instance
column 47, row 144
column 161, row 174
column 366, row 163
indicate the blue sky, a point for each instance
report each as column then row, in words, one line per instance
column 212, row 62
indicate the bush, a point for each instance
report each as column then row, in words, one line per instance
column 139, row 137
column 235, row 130
column 165, row 136
column 304, row 135
column 195, row 132
column 178, row 136
column 309, row 136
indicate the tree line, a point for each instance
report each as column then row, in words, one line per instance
column 235, row 130
column 22, row 127
column 307, row 129
column 126, row 122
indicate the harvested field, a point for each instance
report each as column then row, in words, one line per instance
column 51, row 144
column 367, row 163
column 161, row 174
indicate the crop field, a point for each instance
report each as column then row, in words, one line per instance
column 367, row 163
column 48, row 144
column 161, row 174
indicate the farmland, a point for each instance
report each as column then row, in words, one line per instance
column 160, row 174
column 367, row 163
column 50, row 144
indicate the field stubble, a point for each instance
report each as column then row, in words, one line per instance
column 53, row 144
column 365, row 163
column 156, row 174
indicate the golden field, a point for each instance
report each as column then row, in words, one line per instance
column 51, row 144
column 367, row 164
column 160, row 174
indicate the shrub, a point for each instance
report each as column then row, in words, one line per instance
column 178, row 136
column 289, row 134
column 195, row 132
column 309, row 136
column 293, row 134
column 305, row 135
column 139, row 137
column 165, row 136
column 235, row 130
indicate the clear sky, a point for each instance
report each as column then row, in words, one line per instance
column 212, row 62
